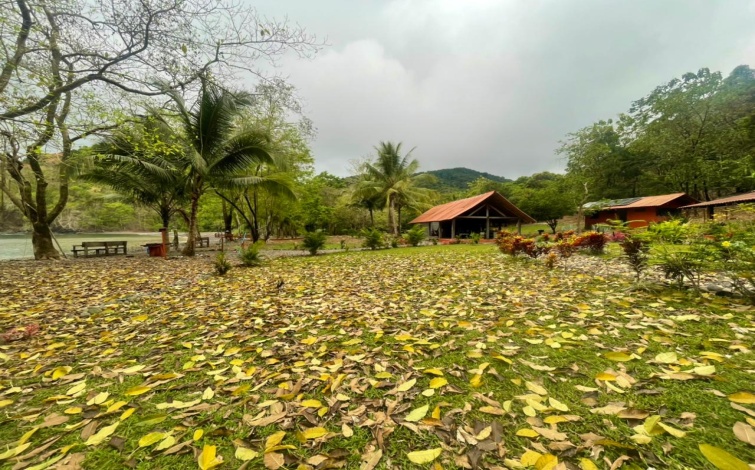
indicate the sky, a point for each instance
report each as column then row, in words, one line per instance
column 494, row 85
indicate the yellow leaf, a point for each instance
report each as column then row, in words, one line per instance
column 4, row 403
column 433, row 371
column 314, row 433
column 138, row 390
column 557, row 404
column 74, row 410
column 208, row 458
column 527, row 433
column 346, row 430
column 722, row 459
column 438, row 382
column 407, row 385
column 309, row 341
column 587, row 464
column 484, row 434
column 546, row 462
column 424, row 456
column 535, row 388
column 311, row 404
column 617, row 356
column 166, row 443
column 127, row 413
column 31, row 432
column 115, row 406
column 208, row 394
column 61, row 372
column 151, row 438
column 492, row 410
column 274, row 439
column 14, row 451
column 530, row 457
column 244, row 454
column 476, row 380
column 99, row 399
column 198, row 435
column 417, row 413
column 605, row 376
column 102, row 434
column 704, row 370
column 673, row 431
column 666, row 358
column 76, row 389
column 134, row 369
column 742, row 397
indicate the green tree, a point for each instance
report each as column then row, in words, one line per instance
column 544, row 196
column 394, row 177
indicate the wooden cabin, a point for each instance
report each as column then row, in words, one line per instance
column 726, row 206
column 485, row 214
column 637, row 211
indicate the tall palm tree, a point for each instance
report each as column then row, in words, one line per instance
column 394, row 177
column 219, row 150
column 144, row 162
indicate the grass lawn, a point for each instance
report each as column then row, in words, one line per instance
column 367, row 359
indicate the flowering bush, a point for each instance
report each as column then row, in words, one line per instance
column 516, row 245
column 594, row 242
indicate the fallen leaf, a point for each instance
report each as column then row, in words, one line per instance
column 424, row 456
column 722, row 459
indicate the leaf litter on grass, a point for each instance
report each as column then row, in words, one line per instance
column 452, row 357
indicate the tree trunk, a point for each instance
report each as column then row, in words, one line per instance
column 227, row 217
column 392, row 215
column 372, row 218
column 41, row 240
column 398, row 221
column 553, row 223
column 189, row 249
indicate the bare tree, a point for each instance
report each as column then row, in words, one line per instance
column 75, row 68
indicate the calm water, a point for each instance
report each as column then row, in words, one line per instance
column 19, row 246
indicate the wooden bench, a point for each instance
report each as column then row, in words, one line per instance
column 109, row 248
column 203, row 242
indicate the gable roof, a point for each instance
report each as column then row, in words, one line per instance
column 746, row 197
column 636, row 202
column 451, row 210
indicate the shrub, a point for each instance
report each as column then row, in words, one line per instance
column 314, row 241
column 636, row 253
column 593, row 242
column 434, row 241
column 736, row 261
column 688, row 264
column 516, row 245
column 670, row 231
column 476, row 238
column 250, row 256
column 415, row 235
column 394, row 242
column 343, row 244
column 545, row 237
column 550, row 260
column 373, row 239
column 221, row 264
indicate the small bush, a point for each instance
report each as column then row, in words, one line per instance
column 550, row 260
column 314, row 241
column 415, row 235
column 685, row 265
column 476, row 238
column 636, row 253
column 593, row 242
column 545, row 237
column 670, row 231
column 434, row 241
column 343, row 244
column 221, row 264
column 373, row 239
column 250, row 256
column 516, row 245
column 395, row 242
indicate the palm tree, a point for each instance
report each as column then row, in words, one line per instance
column 219, row 150
column 143, row 161
column 394, row 178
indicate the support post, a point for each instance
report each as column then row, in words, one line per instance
column 519, row 226
column 453, row 228
column 487, row 221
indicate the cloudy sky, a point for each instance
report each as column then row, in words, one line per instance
column 494, row 85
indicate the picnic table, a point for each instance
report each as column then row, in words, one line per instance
column 100, row 248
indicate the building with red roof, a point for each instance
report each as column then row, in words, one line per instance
column 636, row 211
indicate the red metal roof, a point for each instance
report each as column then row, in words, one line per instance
column 746, row 197
column 655, row 201
column 451, row 210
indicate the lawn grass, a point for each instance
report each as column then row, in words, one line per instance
column 348, row 330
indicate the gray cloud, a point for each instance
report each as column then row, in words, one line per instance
column 495, row 85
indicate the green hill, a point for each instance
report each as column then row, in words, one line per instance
column 458, row 179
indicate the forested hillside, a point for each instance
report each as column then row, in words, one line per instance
column 454, row 180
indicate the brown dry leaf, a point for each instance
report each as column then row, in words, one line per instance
column 744, row 432
column 371, row 459
column 273, row 460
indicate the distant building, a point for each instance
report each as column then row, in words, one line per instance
column 484, row 214
column 725, row 202
column 637, row 211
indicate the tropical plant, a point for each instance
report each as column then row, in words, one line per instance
column 314, row 241
column 394, row 177
column 373, row 239
column 636, row 251
column 144, row 162
column 476, row 237
column 219, row 150
column 221, row 264
column 416, row 235
column 250, row 255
